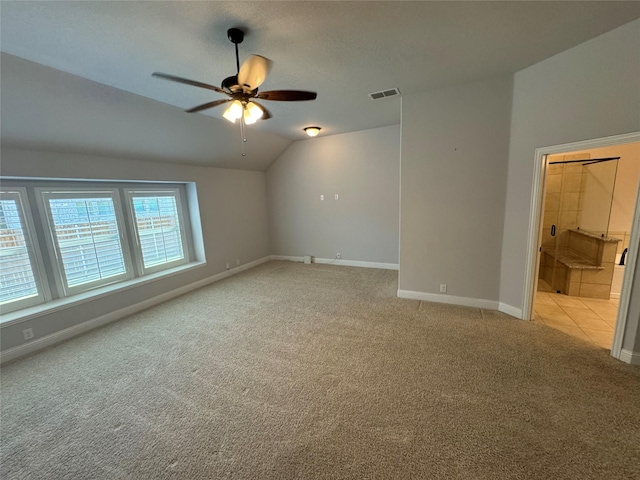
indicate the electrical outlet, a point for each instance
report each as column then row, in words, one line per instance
column 228, row 266
column 321, row 197
column 443, row 288
column 336, row 197
column 27, row 333
column 338, row 255
column 238, row 261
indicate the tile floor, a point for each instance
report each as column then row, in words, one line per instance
column 589, row 319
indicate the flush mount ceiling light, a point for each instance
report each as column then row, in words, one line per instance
column 312, row 131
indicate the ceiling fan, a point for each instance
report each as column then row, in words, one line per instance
column 242, row 88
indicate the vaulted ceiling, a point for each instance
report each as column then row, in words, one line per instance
column 342, row 50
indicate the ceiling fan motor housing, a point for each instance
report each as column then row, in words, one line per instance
column 231, row 84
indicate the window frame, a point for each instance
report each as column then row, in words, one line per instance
column 50, row 273
column 157, row 191
column 43, row 194
column 19, row 194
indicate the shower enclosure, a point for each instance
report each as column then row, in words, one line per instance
column 576, row 254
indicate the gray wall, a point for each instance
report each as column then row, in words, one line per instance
column 590, row 91
column 363, row 169
column 51, row 110
column 233, row 212
column 453, row 176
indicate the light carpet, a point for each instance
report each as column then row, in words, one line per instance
column 293, row 371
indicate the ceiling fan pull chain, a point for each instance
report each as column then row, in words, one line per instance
column 243, row 135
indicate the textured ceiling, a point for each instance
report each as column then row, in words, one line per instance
column 342, row 50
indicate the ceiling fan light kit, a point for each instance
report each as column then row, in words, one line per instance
column 312, row 131
column 233, row 111
column 249, row 112
column 252, row 113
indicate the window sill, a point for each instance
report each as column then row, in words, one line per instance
column 67, row 302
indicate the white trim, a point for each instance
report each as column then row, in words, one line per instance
column 67, row 333
column 340, row 262
column 355, row 263
column 627, row 356
column 449, row 299
column 21, row 198
column 535, row 214
column 510, row 310
column 287, row 258
column 535, row 232
column 627, row 280
column 400, row 192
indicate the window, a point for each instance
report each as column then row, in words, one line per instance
column 20, row 284
column 159, row 232
column 87, row 238
column 93, row 234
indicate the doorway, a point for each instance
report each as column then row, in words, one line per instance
column 583, row 209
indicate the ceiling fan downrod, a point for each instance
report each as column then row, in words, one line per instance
column 236, row 36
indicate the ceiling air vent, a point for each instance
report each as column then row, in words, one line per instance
column 384, row 93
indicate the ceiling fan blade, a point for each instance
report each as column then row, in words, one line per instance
column 287, row 95
column 265, row 113
column 253, row 72
column 204, row 106
column 194, row 83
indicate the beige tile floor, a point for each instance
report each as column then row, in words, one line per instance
column 589, row 319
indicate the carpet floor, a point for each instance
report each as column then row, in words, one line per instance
column 293, row 371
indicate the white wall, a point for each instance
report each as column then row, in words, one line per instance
column 363, row 169
column 590, row 91
column 453, row 176
column 232, row 207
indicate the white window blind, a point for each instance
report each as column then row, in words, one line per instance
column 19, row 286
column 158, row 228
column 85, row 227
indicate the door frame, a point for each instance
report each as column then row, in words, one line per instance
column 535, row 231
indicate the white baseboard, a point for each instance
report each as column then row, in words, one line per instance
column 511, row 310
column 449, row 299
column 287, row 258
column 341, row 262
column 67, row 333
column 627, row 356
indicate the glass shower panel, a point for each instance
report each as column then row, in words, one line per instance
column 578, row 199
column 550, row 244
column 596, row 196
